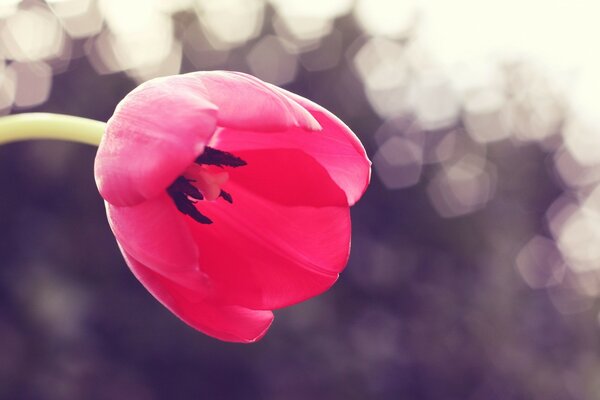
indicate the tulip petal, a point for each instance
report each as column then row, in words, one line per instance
column 287, row 176
column 335, row 147
column 247, row 103
column 265, row 253
column 338, row 149
column 153, row 233
column 224, row 322
column 155, row 133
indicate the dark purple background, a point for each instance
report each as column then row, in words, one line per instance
column 428, row 307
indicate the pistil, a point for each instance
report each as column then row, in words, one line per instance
column 203, row 181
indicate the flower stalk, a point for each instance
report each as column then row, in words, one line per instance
column 32, row 126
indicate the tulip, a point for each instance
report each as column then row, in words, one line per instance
column 229, row 197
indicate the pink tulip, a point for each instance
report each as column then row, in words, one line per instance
column 229, row 197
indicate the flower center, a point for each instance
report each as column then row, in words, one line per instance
column 202, row 181
column 207, row 181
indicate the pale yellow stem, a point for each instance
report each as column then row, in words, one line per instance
column 29, row 126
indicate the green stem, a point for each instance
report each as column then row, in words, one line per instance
column 28, row 126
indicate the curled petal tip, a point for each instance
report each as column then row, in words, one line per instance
column 311, row 124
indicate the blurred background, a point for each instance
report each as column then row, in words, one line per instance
column 475, row 268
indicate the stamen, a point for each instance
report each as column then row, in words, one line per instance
column 185, row 186
column 202, row 182
column 219, row 158
column 226, row 196
column 187, row 207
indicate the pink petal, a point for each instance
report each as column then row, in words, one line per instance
column 229, row 323
column 268, row 250
column 247, row 103
column 287, row 176
column 155, row 133
column 340, row 151
column 153, row 233
column 335, row 147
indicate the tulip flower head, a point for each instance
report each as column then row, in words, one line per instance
column 229, row 197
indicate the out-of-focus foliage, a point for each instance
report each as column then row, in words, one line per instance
column 475, row 265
